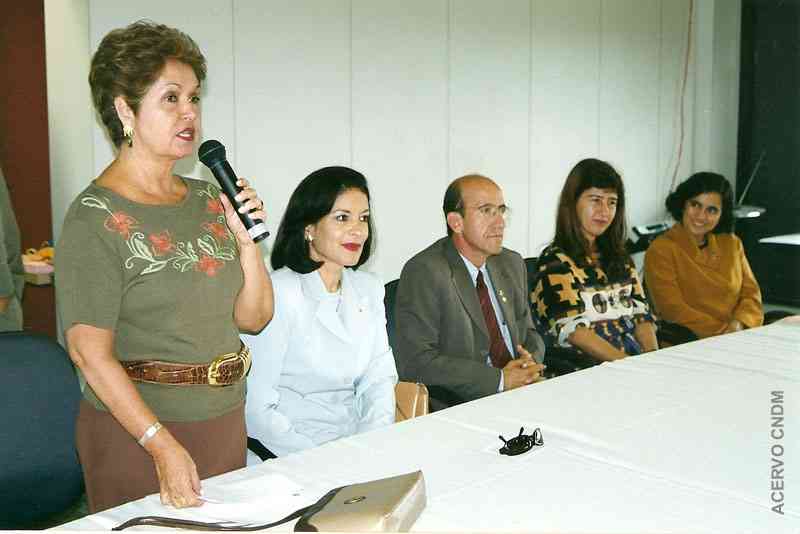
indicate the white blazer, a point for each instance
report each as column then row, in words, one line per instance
column 322, row 368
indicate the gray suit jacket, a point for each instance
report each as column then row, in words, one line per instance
column 442, row 339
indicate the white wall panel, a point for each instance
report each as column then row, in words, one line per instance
column 565, row 107
column 69, row 104
column 399, row 122
column 674, row 30
column 629, row 103
column 416, row 93
column 725, row 115
column 211, row 28
column 714, row 120
column 703, row 51
column 292, row 88
column 489, row 101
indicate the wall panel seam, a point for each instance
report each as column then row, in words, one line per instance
column 529, row 222
column 350, row 92
column 448, row 95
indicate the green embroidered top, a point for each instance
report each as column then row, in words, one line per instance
column 164, row 279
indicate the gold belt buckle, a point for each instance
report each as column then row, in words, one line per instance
column 215, row 367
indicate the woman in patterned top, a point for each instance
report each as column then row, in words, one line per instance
column 587, row 294
column 156, row 278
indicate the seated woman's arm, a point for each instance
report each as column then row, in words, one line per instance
column 587, row 341
column 645, row 330
column 556, row 303
column 667, row 294
column 645, row 334
column 264, row 422
column 375, row 388
column 92, row 349
column 749, row 310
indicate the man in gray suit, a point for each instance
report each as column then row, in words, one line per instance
column 463, row 324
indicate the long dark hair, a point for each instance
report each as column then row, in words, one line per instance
column 586, row 174
column 312, row 200
column 697, row 184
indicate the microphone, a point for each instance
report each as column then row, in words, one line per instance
column 212, row 155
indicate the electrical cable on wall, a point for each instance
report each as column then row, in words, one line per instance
column 681, row 109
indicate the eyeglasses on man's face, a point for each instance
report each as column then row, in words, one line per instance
column 490, row 211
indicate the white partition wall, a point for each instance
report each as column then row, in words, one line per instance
column 490, row 101
column 676, row 98
column 399, row 121
column 293, row 93
column 629, row 45
column 69, row 114
column 565, row 106
column 416, row 93
column 211, row 25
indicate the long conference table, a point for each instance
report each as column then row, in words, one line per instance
column 702, row 437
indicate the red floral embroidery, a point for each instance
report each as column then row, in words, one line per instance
column 209, row 265
column 218, row 229
column 162, row 243
column 213, row 205
column 121, row 222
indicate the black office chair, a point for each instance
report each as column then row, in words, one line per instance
column 41, row 477
column 389, row 298
column 559, row 360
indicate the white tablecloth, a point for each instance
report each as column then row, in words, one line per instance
column 673, row 441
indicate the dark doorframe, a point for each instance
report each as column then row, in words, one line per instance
column 24, row 143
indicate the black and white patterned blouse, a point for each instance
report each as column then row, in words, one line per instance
column 567, row 295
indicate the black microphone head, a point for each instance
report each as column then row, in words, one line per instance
column 211, row 152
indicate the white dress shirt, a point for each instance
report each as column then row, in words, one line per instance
column 322, row 368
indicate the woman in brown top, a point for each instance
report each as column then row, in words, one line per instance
column 156, row 278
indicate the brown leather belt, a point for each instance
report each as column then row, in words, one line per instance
column 223, row 371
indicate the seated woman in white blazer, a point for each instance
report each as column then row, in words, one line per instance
column 322, row 368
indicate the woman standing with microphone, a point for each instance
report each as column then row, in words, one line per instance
column 157, row 276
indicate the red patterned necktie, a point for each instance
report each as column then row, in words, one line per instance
column 498, row 352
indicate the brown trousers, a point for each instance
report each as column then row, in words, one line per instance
column 117, row 470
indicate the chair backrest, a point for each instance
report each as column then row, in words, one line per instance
column 41, row 475
column 390, row 294
column 530, row 266
column 412, row 400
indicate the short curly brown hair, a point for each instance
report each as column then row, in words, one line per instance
column 129, row 60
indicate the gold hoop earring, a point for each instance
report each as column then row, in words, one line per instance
column 127, row 132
